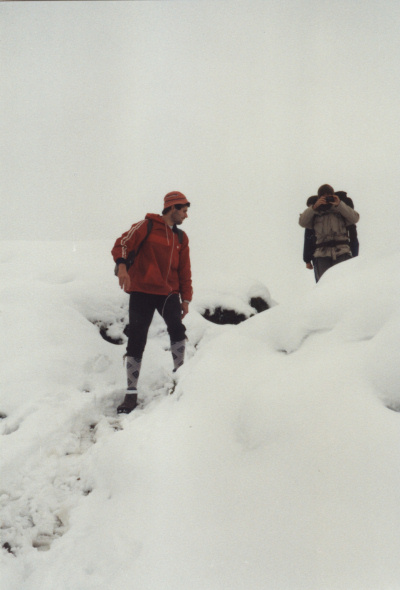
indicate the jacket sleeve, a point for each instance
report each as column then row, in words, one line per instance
column 309, row 245
column 184, row 271
column 306, row 218
column 130, row 240
column 348, row 213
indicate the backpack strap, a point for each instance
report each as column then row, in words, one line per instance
column 332, row 243
column 180, row 233
column 132, row 254
column 149, row 228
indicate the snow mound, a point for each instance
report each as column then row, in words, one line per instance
column 269, row 461
column 231, row 299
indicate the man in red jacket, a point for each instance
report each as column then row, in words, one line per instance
column 159, row 279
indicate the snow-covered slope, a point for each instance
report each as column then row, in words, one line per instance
column 274, row 464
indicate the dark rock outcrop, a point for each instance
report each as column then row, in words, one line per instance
column 222, row 316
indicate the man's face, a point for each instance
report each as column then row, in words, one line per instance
column 179, row 215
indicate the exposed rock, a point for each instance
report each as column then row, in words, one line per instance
column 222, row 316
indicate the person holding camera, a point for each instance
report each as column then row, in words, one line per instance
column 330, row 218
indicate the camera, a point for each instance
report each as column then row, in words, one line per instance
column 330, row 199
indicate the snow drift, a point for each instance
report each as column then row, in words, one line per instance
column 273, row 464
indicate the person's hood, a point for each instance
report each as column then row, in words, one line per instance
column 156, row 218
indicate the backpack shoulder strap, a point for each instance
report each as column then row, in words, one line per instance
column 132, row 255
column 149, row 228
column 180, row 233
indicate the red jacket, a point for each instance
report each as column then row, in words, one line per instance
column 162, row 265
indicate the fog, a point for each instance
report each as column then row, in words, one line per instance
column 246, row 107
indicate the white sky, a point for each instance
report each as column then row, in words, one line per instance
column 247, row 107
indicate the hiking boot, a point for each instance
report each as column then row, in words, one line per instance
column 128, row 405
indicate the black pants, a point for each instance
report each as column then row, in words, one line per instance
column 141, row 310
column 323, row 263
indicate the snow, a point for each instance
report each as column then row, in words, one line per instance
column 274, row 463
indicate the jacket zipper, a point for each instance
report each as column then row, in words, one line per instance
column 170, row 258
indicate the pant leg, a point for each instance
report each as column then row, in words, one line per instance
column 321, row 265
column 171, row 311
column 315, row 270
column 342, row 258
column 141, row 311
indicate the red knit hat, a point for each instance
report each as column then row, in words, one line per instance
column 175, row 198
